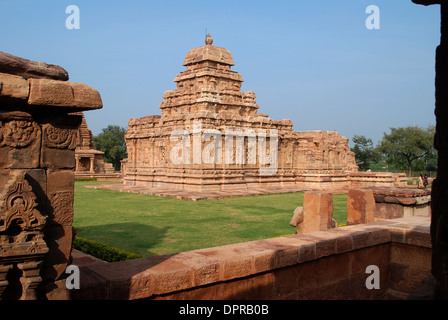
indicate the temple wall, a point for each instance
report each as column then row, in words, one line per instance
column 312, row 159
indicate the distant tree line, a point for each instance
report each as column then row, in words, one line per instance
column 111, row 142
column 407, row 149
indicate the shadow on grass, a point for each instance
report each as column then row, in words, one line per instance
column 132, row 237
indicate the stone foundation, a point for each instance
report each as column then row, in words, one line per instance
column 401, row 202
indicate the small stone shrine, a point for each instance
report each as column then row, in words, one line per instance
column 89, row 161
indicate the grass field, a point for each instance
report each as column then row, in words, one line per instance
column 150, row 225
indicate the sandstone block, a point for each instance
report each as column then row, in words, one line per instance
column 85, row 96
column 60, row 186
column 360, row 206
column 30, row 69
column 389, row 211
column 317, row 211
column 20, row 141
column 73, row 95
column 59, row 143
column 58, row 158
column 50, row 93
column 14, row 87
column 59, row 240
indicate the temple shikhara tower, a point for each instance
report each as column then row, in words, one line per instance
column 211, row 138
column 88, row 160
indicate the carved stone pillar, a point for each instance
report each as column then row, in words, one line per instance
column 38, row 133
column 30, row 279
column 92, row 164
column 76, row 164
column 3, row 274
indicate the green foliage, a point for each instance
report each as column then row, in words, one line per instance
column 101, row 250
column 409, row 148
column 111, row 142
column 365, row 153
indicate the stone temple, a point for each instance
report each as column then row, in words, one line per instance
column 211, row 138
column 89, row 161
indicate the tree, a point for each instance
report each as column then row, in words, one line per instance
column 364, row 151
column 111, row 142
column 408, row 146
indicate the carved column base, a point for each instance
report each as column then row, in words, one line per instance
column 30, row 279
column 3, row 282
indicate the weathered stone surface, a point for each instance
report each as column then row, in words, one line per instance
column 86, row 97
column 317, row 212
column 36, row 171
column 392, row 203
column 14, row 87
column 389, row 211
column 60, row 191
column 59, row 240
column 20, row 141
column 30, row 69
column 59, row 142
column 360, row 206
column 76, row 96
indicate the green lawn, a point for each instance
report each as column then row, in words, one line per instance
column 150, row 225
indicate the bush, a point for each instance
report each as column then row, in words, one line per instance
column 85, row 179
column 102, row 251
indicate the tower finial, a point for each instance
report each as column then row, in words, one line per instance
column 208, row 40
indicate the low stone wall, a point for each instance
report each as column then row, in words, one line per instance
column 377, row 179
column 318, row 265
column 401, row 202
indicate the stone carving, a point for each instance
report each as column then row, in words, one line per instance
column 18, row 206
column 59, row 138
column 297, row 217
column 18, row 133
column 38, row 136
column 62, row 201
column 21, row 238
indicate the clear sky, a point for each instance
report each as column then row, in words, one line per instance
column 314, row 62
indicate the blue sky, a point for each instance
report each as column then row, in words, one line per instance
column 314, row 62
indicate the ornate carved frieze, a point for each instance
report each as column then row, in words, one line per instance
column 18, row 206
column 60, row 138
column 18, row 133
column 21, row 239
